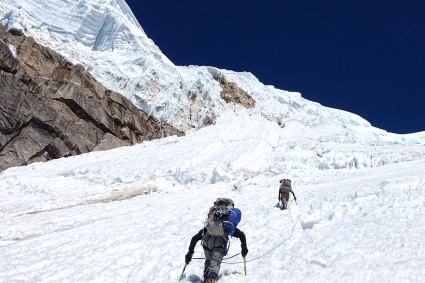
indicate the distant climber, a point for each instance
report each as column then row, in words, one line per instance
column 284, row 190
column 221, row 223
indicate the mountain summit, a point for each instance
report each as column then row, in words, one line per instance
column 107, row 39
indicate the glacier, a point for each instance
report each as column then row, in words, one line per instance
column 107, row 39
column 128, row 214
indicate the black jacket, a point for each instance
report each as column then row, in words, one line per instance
column 238, row 234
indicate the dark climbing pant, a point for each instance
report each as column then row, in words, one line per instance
column 284, row 197
column 212, row 262
column 214, row 253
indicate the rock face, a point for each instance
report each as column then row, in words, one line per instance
column 232, row 93
column 50, row 108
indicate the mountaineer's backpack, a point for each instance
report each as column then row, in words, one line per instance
column 285, row 186
column 223, row 218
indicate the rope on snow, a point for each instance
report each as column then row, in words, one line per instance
column 257, row 258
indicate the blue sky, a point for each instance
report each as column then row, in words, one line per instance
column 365, row 57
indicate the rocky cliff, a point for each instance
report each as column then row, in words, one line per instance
column 50, row 108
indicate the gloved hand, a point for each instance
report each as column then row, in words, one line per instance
column 188, row 257
column 244, row 251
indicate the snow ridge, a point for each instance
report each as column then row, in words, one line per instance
column 109, row 41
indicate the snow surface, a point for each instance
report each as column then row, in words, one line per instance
column 128, row 214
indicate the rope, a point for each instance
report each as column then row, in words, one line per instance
column 223, row 259
column 289, row 210
column 257, row 258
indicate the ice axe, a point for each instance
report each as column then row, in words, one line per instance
column 184, row 268
column 244, row 264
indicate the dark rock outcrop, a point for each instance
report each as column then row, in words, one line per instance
column 232, row 93
column 50, row 108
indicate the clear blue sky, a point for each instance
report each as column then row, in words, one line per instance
column 365, row 56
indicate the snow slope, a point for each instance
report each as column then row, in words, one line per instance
column 128, row 214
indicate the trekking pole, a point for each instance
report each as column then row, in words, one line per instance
column 181, row 276
column 244, row 264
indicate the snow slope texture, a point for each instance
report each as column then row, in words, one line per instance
column 128, row 214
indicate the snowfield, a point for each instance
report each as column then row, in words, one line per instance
column 128, row 214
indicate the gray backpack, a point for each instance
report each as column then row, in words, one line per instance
column 218, row 213
column 285, row 186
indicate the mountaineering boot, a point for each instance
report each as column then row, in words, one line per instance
column 209, row 280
